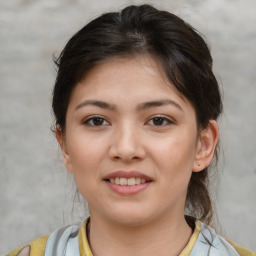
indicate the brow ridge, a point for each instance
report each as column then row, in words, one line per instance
column 140, row 107
column 158, row 103
column 97, row 103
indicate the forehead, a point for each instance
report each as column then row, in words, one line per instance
column 126, row 79
column 127, row 71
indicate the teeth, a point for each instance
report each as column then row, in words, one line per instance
column 130, row 182
column 116, row 181
column 123, row 181
column 138, row 180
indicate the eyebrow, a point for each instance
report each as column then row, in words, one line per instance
column 97, row 103
column 158, row 103
column 140, row 107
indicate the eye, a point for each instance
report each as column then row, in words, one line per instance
column 159, row 121
column 95, row 121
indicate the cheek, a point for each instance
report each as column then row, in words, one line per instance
column 175, row 151
column 86, row 159
column 86, row 155
column 85, row 149
column 174, row 159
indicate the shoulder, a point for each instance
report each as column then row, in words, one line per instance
column 34, row 248
column 216, row 245
column 241, row 250
column 63, row 241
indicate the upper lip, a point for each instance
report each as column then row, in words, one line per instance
column 127, row 174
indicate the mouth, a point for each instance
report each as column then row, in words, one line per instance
column 127, row 182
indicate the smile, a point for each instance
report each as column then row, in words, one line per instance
column 127, row 181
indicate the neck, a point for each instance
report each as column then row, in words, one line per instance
column 163, row 237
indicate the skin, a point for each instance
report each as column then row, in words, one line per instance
column 162, row 142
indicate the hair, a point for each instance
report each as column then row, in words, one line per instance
column 182, row 52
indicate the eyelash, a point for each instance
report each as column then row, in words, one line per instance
column 87, row 121
column 162, row 118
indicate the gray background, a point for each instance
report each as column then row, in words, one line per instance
column 36, row 193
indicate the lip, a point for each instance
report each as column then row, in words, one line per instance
column 127, row 189
column 127, row 174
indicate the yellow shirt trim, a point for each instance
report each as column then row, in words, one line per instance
column 84, row 247
column 241, row 250
column 187, row 250
column 85, row 250
column 37, row 247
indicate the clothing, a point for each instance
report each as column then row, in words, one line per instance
column 72, row 241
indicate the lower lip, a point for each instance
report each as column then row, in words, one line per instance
column 128, row 190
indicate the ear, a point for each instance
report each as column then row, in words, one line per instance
column 207, row 142
column 65, row 154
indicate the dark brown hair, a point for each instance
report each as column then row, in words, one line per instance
column 184, row 57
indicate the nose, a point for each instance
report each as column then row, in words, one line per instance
column 127, row 144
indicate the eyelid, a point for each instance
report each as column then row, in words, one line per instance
column 86, row 120
column 168, row 119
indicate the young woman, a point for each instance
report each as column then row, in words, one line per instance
column 136, row 104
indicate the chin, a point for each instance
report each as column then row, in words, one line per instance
column 130, row 217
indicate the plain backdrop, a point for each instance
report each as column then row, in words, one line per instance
column 36, row 193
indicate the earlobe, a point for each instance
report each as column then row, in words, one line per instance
column 65, row 154
column 206, row 146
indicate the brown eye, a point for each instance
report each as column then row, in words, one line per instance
column 95, row 121
column 159, row 121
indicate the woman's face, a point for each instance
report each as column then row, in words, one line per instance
column 127, row 124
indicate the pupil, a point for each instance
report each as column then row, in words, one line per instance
column 158, row 120
column 97, row 121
